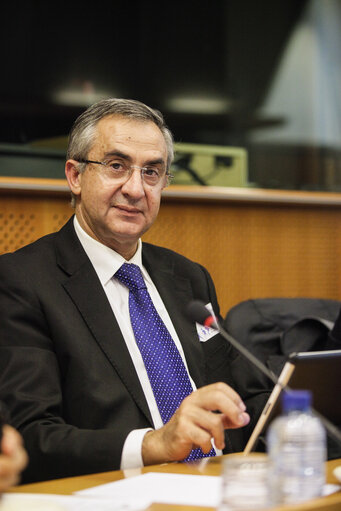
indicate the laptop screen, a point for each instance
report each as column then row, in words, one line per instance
column 320, row 372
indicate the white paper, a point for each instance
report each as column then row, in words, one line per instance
column 132, row 494
column 141, row 491
column 46, row 502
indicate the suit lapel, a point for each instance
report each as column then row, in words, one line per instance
column 176, row 293
column 83, row 283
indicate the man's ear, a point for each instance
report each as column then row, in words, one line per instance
column 73, row 176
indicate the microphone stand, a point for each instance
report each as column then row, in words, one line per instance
column 246, row 353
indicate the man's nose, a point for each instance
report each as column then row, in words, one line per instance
column 134, row 184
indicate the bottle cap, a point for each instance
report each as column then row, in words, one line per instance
column 296, row 400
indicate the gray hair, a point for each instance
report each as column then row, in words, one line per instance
column 84, row 128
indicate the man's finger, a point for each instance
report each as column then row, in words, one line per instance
column 220, row 397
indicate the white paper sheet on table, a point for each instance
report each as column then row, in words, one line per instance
column 47, row 502
column 140, row 491
column 137, row 493
column 131, row 494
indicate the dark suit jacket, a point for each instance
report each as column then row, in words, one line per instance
column 65, row 372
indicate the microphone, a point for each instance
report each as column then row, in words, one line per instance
column 198, row 312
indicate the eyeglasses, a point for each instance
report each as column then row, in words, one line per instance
column 121, row 171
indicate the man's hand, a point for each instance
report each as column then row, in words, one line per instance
column 13, row 458
column 195, row 423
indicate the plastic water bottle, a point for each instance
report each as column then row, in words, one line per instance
column 297, row 450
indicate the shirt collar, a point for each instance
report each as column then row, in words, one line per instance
column 104, row 259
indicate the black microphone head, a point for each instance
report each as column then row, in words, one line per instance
column 196, row 311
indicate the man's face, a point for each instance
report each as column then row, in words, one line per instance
column 118, row 213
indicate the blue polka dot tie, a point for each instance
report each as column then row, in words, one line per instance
column 165, row 368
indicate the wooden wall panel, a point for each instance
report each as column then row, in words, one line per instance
column 257, row 251
column 251, row 248
column 25, row 219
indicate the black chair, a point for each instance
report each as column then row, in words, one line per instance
column 272, row 328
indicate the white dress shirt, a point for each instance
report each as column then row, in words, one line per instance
column 106, row 262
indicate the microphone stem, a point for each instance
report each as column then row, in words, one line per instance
column 248, row 355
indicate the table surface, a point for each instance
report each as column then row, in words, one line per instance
column 208, row 466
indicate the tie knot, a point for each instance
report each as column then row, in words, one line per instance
column 131, row 276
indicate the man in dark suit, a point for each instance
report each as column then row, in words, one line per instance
column 71, row 370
